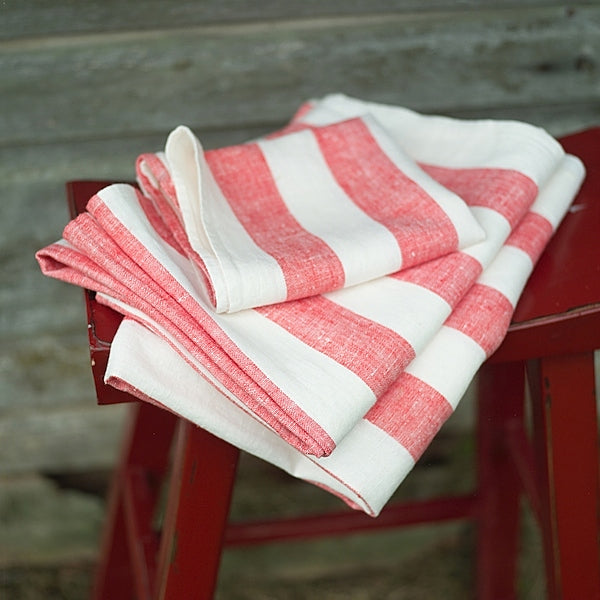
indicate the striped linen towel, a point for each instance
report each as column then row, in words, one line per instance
column 303, row 212
column 380, row 450
column 314, row 373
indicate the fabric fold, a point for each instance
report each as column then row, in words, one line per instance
column 310, row 367
column 321, row 297
column 302, row 213
column 380, row 450
column 445, row 141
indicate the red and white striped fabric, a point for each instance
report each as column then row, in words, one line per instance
column 305, row 212
column 379, row 451
column 315, row 383
column 443, row 141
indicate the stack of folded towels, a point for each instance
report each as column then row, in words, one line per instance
column 323, row 296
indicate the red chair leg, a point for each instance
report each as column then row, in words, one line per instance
column 114, row 575
column 144, row 453
column 501, row 399
column 566, row 448
column 200, row 492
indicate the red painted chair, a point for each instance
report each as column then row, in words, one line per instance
column 553, row 459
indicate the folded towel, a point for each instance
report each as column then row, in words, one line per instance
column 342, row 373
column 379, row 451
column 303, row 213
column 444, row 141
column 309, row 368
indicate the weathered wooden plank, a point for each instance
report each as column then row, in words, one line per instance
column 232, row 76
column 34, row 18
column 43, row 524
column 58, row 441
column 47, row 371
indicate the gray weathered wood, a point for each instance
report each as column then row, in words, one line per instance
column 34, row 18
column 231, row 76
column 43, row 524
column 49, row 370
column 60, row 440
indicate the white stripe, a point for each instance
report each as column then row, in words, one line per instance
column 369, row 460
column 141, row 358
column 313, row 380
column 497, row 229
column 508, row 273
column 215, row 232
column 321, row 206
column 366, row 467
column 448, row 363
column 468, row 230
column 302, row 373
column 554, row 198
column 457, row 143
column 122, row 202
column 410, row 310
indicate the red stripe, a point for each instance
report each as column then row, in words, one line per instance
column 506, row 191
column 291, row 128
column 295, row 124
column 201, row 336
column 484, row 315
column 411, row 412
column 160, row 173
column 422, row 229
column 302, row 111
column 450, row 276
column 373, row 352
column 158, row 223
column 244, row 177
column 70, row 265
column 532, row 235
column 163, row 196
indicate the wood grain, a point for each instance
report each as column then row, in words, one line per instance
column 40, row 18
column 125, row 84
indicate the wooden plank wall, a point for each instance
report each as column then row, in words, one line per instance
column 86, row 86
